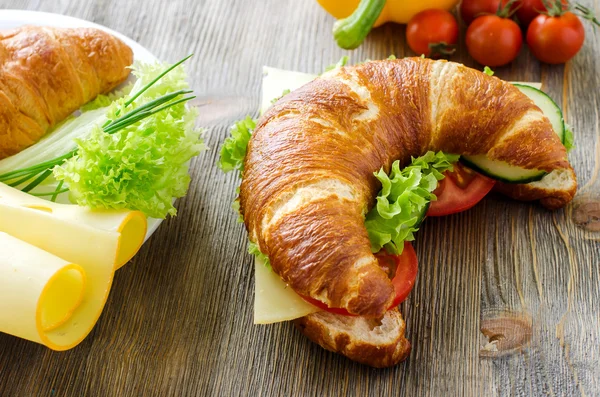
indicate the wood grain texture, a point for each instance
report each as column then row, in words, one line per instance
column 179, row 318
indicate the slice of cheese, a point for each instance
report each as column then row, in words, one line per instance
column 71, row 232
column 276, row 81
column 39, row 292
column 98, row 241
column 274, row 301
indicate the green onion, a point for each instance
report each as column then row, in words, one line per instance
column 41, row 178
column 150, row 84
column 128, row 120
column 151, row 104
column 53, row 193
column 58, row 191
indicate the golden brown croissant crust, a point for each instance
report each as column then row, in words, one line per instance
column 379, row 343
column 308, row 179
column 48, row 73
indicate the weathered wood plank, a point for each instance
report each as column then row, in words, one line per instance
column 179, row 318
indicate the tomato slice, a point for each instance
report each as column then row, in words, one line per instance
column 460, row 190
column 402, row 269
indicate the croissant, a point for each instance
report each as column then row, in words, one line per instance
column 48, row 73
column 308, row 175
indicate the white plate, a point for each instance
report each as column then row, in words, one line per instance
column 14, row 18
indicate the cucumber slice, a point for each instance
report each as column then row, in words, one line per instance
column 501, row 170
column 548, row 106
column 507, row 173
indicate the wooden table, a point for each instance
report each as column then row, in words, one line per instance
column 179, row 318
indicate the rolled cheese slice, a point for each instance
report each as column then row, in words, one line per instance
column 72, row 232
column 98, row 241
column 39, row 292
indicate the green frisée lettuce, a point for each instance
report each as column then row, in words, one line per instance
column 403, row 197
column 284, row 93
column 105, row 100
column 141, row 166
column 254, row 250
column 234, row 148
column 342, row 62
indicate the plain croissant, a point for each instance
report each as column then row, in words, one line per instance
column 308, row 176
column 48, row 73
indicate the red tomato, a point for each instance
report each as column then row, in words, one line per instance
column 402, row 269
column 432, row 32
column 459, row 191
column 323, row 306
column 471, row 9
column 529, row 9
column 555, row 39
column 494, row 41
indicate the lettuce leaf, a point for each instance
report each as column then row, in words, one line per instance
column 104, row 100
column 403, row 198
column 143, row 166
column 234, row 148
column 569, row 138
column 488, row 71
column 342, row 62
column 284, row 93
column 254, row 250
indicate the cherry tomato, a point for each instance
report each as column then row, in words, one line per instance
column 555, row 39
column 460, row 190
column 402, row 270
column 471, row 9
column 529, row 9
column 494, row 41
column 432, row 32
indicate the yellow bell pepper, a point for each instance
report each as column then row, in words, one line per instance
column 357, row 17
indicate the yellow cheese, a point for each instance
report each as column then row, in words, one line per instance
column 39, row 292
column 274, row 301
column 276, row 81
column 74, row 233
column 98, row 241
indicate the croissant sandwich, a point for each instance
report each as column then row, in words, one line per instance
column 48, row 73
column 318, row 157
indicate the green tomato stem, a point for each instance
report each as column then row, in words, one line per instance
column 350, row 32
column 586, row 13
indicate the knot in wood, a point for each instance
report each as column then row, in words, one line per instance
column 586, row 213
column 507, row 333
